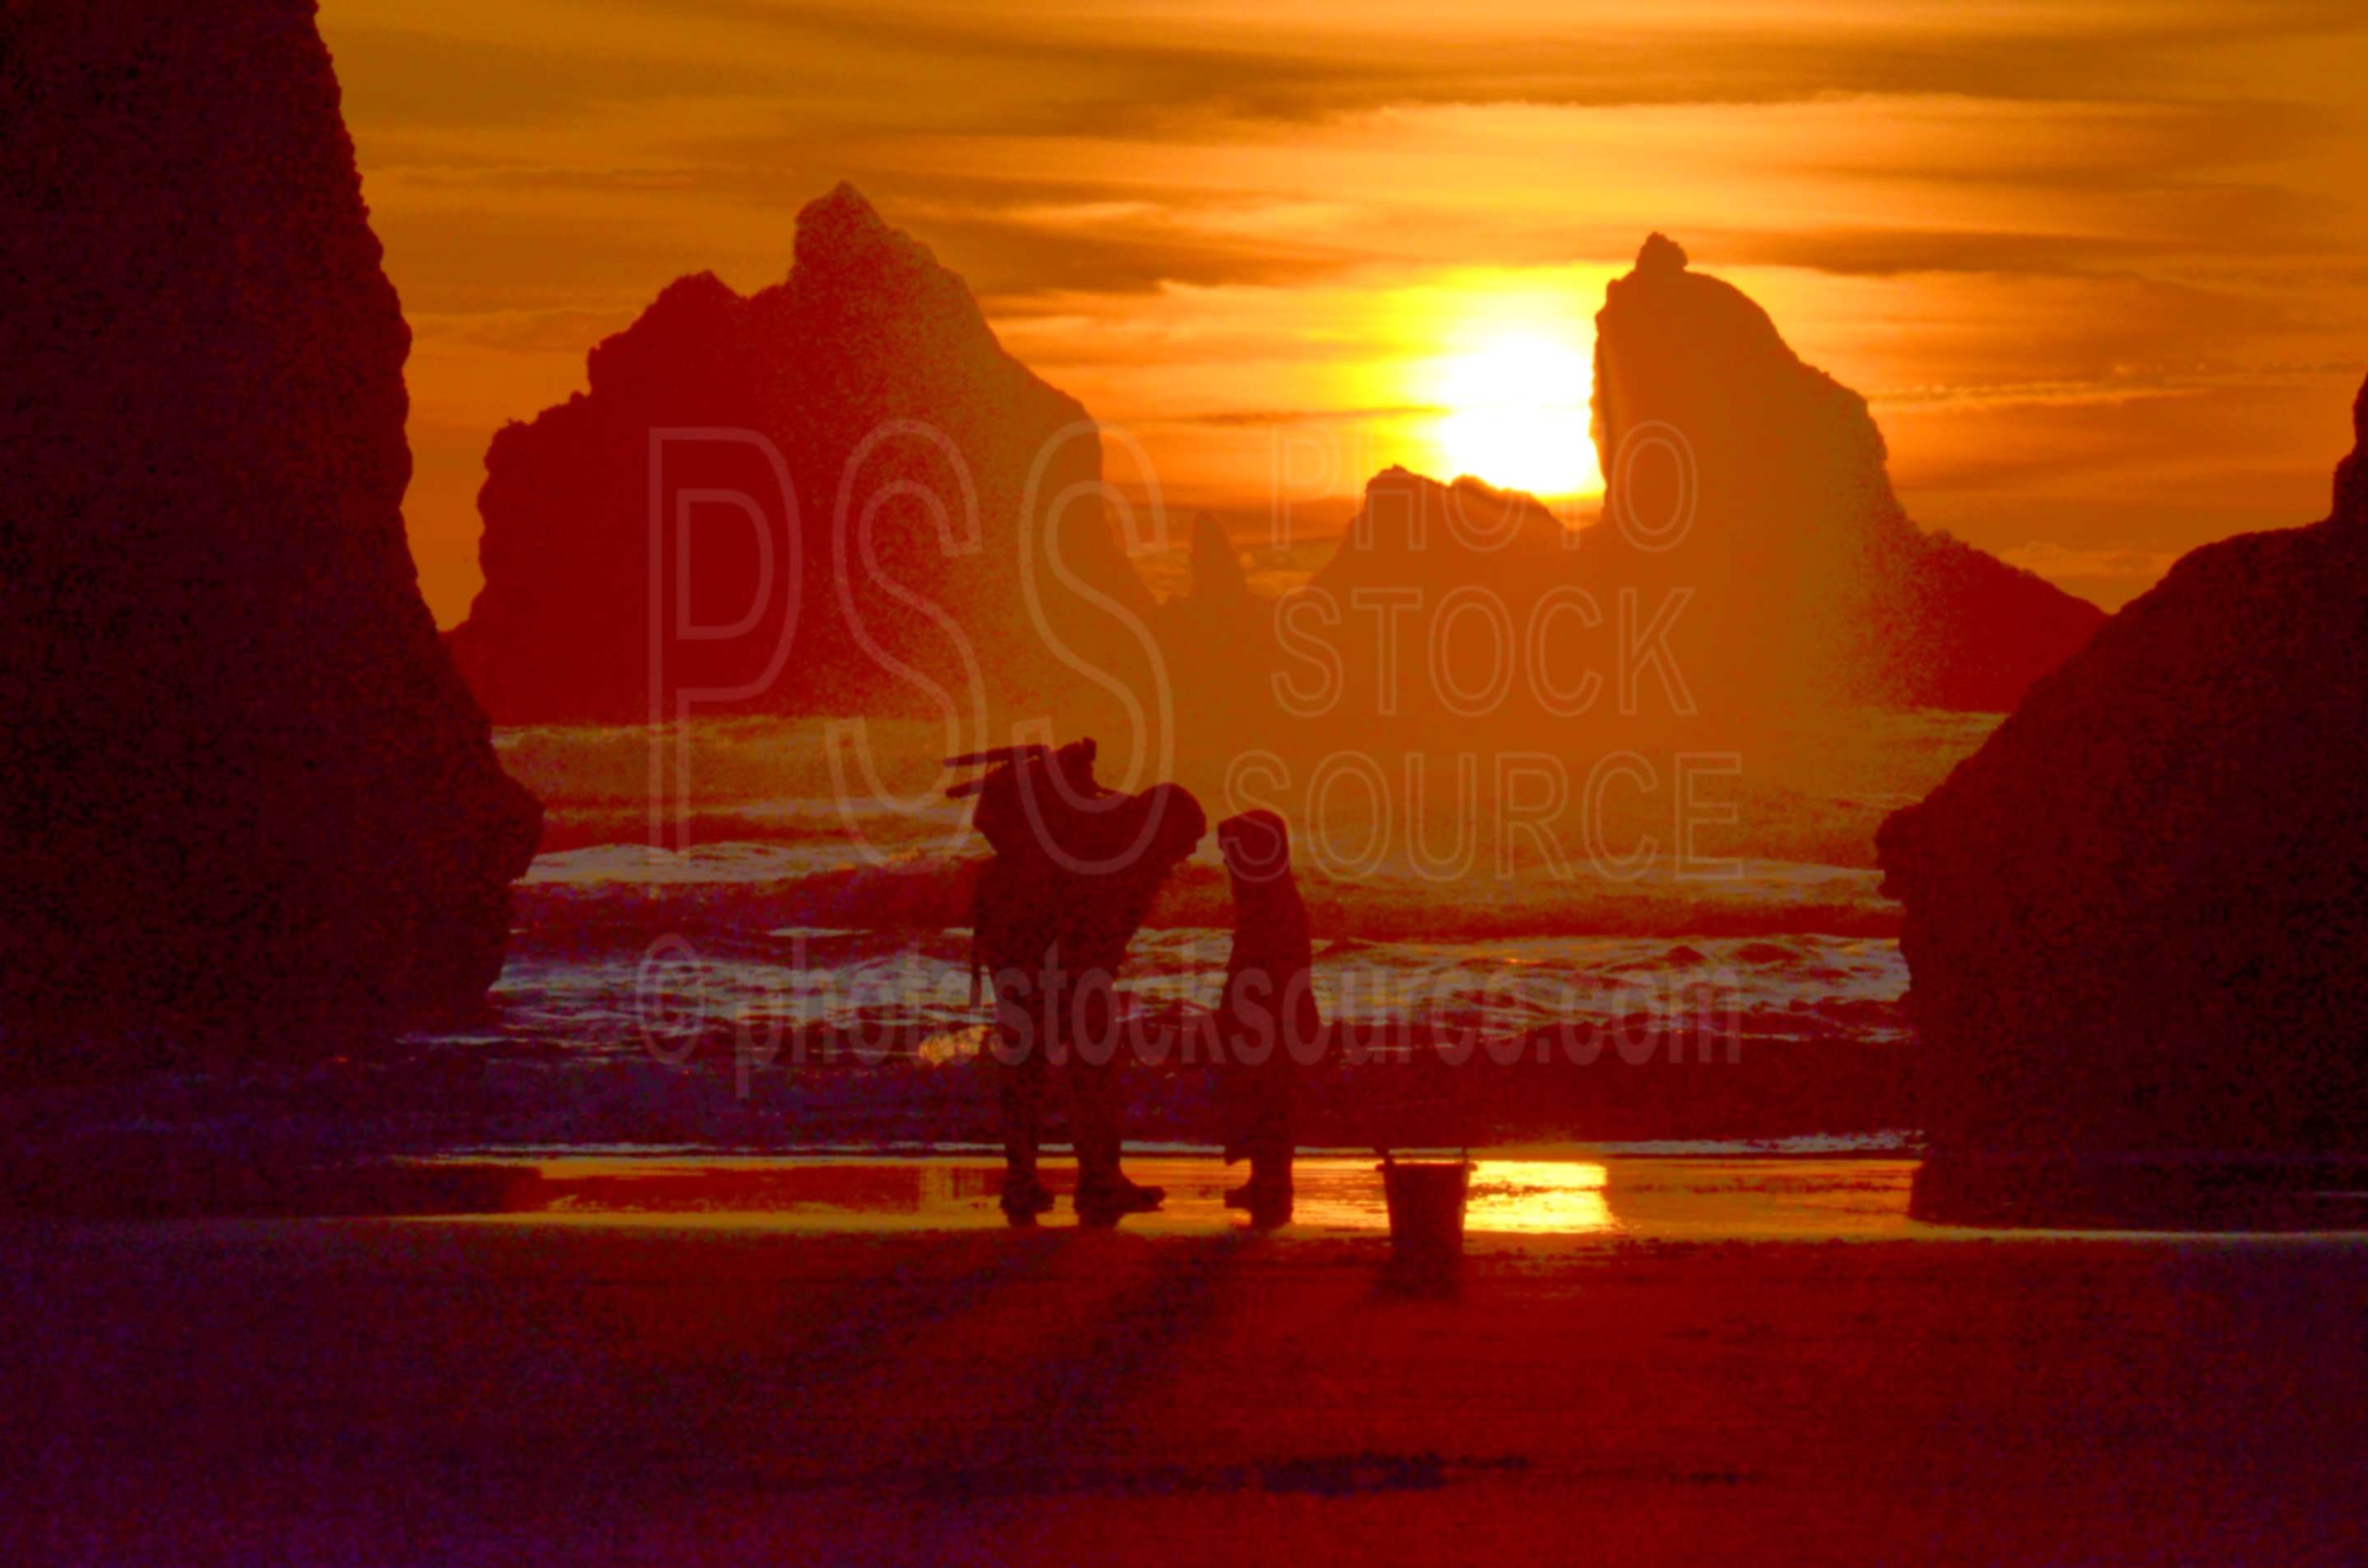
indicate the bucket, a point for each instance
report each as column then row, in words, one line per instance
column 1426, row 1204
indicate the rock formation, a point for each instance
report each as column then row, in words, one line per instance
column 941, row 534
column 1752, row 562
column 1415, row 530
column 1448, row 578
column 1218, row 641
column 2138, row 918
column 1759, row 482
column 244, row 786
column 1220, row 587
column 1217, row 620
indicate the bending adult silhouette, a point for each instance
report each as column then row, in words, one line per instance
column 1075, row 870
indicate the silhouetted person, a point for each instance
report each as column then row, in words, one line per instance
column 1076, row 868
column 1269, row 1016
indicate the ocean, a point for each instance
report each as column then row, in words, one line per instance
column 724, row 945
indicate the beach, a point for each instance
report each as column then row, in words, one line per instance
column 1707, row 1357
column 703, row 699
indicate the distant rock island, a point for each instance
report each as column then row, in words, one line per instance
column 1759, row 482
column 1799, row 582
column 2136, row 918
column 871, row 374
column 244, row 787
column 1455, row 575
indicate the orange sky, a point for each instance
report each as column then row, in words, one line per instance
column 2099, row 266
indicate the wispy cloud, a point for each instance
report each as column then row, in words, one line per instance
column 2053, row 243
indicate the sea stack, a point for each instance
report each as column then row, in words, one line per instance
column 2136, row 918
column 1433, row 596
column 243, row 787
column 1756, row 485
column 845, row 472
column 1218, row 641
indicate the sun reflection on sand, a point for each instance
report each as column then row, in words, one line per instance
column 1335, row 1194
column 1508, row 1198
column 1539, row 1198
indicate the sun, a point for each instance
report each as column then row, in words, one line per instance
column 1515, row 411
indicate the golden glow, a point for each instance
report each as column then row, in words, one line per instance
column 1534, row 1198
column 1514, row 421
column 1513, row 382
column 2057, row 293
column 1506, row 1197
column 1538, row 1198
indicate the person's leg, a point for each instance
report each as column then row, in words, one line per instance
column 1266, row 1141
column 1094, row 1054
column 1019, row 1091
column 1278, row 1129
column 1276, row 1137
column 1094, row 1122
column 1271, row 1147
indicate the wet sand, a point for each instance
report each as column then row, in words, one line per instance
column 1564, row 1195
column 1703, row 1360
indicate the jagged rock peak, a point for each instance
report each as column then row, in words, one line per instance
column 1809, row 571
column 2133, row 917
column 699, row 307
column 2352, row 473
column 246, row 797
column 1397, row 476
column 866, row 337
column 842, row 227
column 694, row 293
column 1406, row 511
column 847, row 257
column 1660, row 255
column 1217, row 574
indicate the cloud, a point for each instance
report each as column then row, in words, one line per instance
column 1875, row 252
column 523, row 332
column 2064, row 249
column 1264, row 418
column 1137, row 71
column 2116, row 563
column 416, row 77
column 1010, row 258
column 451, row 260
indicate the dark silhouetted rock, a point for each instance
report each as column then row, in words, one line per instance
column 1217, row 639
column 1220, row 586
column 1415, row 531
column 1808, row 581
column 244, row 786
column 1448, row 579
column 871, row 374
column 2138, row 918
column 1218, row 627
